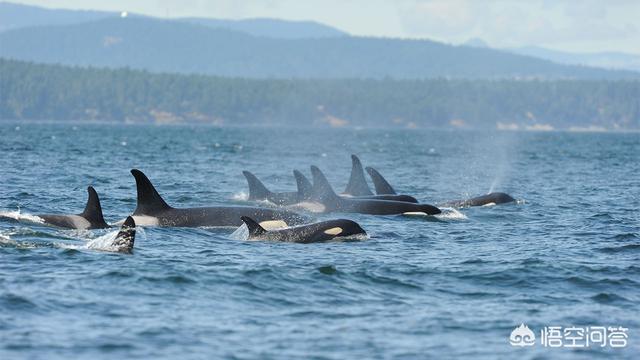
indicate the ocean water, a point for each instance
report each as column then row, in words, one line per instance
column 455, row 286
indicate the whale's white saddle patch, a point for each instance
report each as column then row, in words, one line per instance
column 273, row 224
column 144, row 220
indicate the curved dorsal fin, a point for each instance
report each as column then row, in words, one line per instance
column 93, row 211
column 253, row 226
column 357, row 185
column 381, row 184
column 322, row 190
column 304, row 185
column 257, row 190
column 149, row 201
column 126, row 236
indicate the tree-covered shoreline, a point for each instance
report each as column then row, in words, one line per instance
column 53, row 92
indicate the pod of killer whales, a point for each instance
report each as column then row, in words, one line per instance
column 281, row 222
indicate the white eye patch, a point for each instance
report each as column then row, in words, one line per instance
column 333, row 231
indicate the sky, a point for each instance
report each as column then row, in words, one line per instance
column 569, row 25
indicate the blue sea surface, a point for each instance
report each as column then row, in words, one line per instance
column 566, row 254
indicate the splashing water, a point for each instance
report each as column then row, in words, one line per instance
column 6, row 240
column 101, row 243
column 241, row 233
column 451, row 214
column 17, row 215
column 104, row 242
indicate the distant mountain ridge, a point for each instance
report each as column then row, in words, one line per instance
column 256, row 48
column 272, row 28
column 16, row 16
column 174, row 46
column 604, row 59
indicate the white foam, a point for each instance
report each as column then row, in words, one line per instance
column 241, row 196
column 356, row 237
column 104, row 242
column 489, row 204
column 451, row 214
column 5, row 239
column 101, row 243
column 17, row 215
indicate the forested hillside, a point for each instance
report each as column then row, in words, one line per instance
column 52, row 92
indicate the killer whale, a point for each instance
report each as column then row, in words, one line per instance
column 90, row 218
column 122, row 242
column 303, row 184
column 310, row 233
column 324, row 194
column 381, row 185
column 257, row 191
column 152, row 210
column 305, row 189
column 126, row 237
column 357, row 185
column 490, row 198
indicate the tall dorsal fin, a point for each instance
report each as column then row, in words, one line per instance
column 381, row 184
column 93, row 211
column 357, row 185
column 253, row 226
column 322, row 190
column 149, row 201
column 304, row 185
column 257, row 190
column 126, row 236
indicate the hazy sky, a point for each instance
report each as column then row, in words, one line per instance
column 575, row 25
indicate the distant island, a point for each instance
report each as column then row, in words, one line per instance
column 54, row 92
column 63, row 65
column 257, row 48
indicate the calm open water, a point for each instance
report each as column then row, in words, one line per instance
column 567, row 254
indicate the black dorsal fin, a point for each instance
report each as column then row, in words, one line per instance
column 93, row 211
column 126, row 236
column 304, row 185
column 253, row 226
column 257, row 190
column 381, row 184
column 149, row 201
column 357, row 185
column 322, row 190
